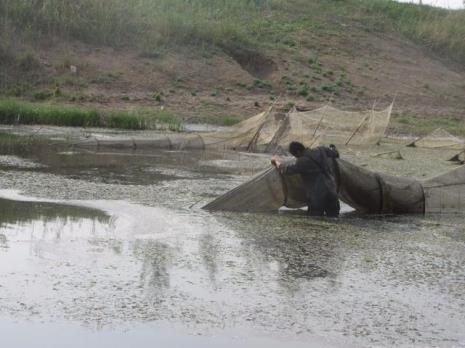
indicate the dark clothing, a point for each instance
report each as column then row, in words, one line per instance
column 323, row 201
column 318, row 179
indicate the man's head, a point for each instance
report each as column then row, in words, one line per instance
column 296, row 149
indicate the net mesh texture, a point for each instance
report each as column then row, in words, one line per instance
column 439, row 138
column 270, row 131
column 364, row 190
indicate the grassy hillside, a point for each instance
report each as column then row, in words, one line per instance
column 441, row 30
column 219, row 59
column 228, row 24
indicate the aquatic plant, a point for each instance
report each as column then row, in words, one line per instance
column 17, row 144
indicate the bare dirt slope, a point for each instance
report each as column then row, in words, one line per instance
column 353, row 71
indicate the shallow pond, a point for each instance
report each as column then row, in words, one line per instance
column 113, row 249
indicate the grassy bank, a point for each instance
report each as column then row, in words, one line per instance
column 408, row 125
column 22, row 112
column 438, row 29
column 229, row 25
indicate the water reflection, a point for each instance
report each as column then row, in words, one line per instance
column 128, row 167
column 156, row 258
column 288, row 275
column 49, row 222
column 209, row 250
column 22, row 212
column 3, row 241
column 297, row 249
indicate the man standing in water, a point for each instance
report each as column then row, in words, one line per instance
column 317, row 177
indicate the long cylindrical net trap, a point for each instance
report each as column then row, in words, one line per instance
column 364, row 190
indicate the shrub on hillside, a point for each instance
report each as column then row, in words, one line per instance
column 28, row 61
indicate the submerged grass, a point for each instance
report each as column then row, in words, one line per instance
column 12, row 144
column 229, row 25
column 21, row 112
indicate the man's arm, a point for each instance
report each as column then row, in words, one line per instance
column 287, row 169
column 291, row 169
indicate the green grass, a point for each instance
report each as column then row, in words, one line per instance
column 257, row 24
column 228, row 120
column 219, row 120
column 441, row 30
column 151, row 22
column 21, row 112
column 407, row 124
column 28, row 60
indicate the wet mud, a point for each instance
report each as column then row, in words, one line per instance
column 93, row 244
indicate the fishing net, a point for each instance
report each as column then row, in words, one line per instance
column 156, row 141
column 393, row 155
column 446, row 193
column 459, row 157
column 265, row 192
column 378, row 193
column 271, row 131
column 439, row 138
column 365, row 191
column 333, row 126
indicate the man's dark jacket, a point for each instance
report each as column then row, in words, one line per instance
column 317, row 176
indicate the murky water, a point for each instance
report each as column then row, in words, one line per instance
column 112, row 249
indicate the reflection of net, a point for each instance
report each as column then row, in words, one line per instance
column 269, row 131
column 439, row 138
